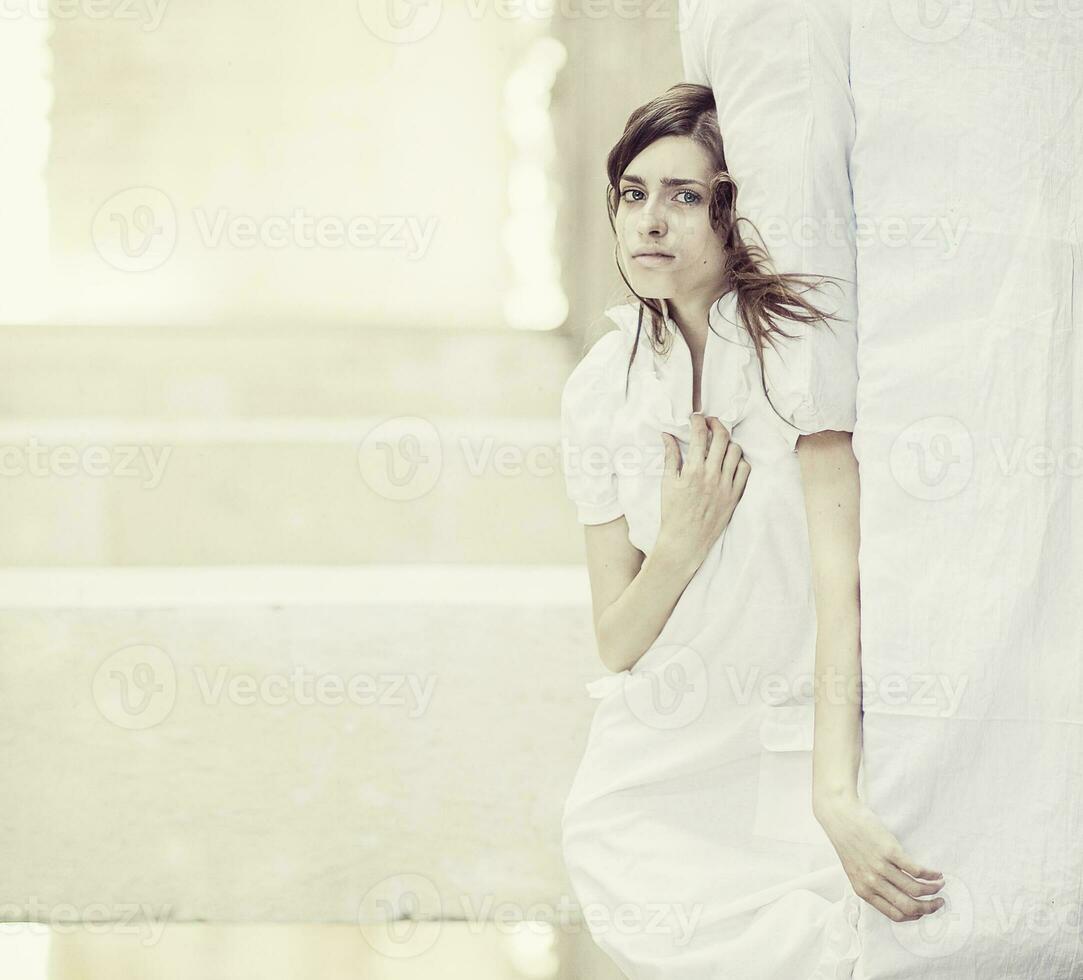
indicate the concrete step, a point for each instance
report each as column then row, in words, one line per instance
column 328, row 446
column 292, row 744
column 309, row 491
column 508, row 950
column 318, row 372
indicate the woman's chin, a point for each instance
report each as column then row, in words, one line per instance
column 656, row 285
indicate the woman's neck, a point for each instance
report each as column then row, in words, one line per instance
column 692, row 313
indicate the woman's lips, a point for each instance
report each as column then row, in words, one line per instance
column 654, row 260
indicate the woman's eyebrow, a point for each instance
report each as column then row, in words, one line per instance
column 666, row 181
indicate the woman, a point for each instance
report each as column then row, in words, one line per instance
column 699, row 829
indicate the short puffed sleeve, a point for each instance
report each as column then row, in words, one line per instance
column 592, row 395
column 812, row 378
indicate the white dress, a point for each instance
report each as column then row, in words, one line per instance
column 688, row 833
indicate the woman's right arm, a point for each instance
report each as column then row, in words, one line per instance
column 632, row 596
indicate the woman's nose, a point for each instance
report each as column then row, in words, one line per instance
column 651, row 221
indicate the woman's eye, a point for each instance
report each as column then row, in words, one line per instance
column 682, row 197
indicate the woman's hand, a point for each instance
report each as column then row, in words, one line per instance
column 700, row 493
column 874, row 861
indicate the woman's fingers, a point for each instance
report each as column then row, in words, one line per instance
column 729, row 463
column 724, row 454
column 697, row 442
column 721, row 454
column 882, row 905
column 899, row 888
column 901, row 880
column 875, row 889
column 877, row 866
column 911, row 908
column 720, row 440
column 911, row 867
column 741, row 478
column 673, row 455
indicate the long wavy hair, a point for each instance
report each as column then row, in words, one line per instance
column 764, row 296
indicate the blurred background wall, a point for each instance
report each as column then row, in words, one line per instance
column 229, row 218
column 390, row 165
column 290, row 292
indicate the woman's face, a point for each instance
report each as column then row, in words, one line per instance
column 667, row 245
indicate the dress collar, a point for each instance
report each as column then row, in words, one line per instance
column 665, row 381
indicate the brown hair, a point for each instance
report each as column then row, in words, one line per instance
column 762, row 294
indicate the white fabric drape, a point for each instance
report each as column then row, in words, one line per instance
column 968, row 196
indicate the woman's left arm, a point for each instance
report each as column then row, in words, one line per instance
column 830, row 478
column 878, row 868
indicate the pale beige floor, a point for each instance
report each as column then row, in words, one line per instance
column 189, row 951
